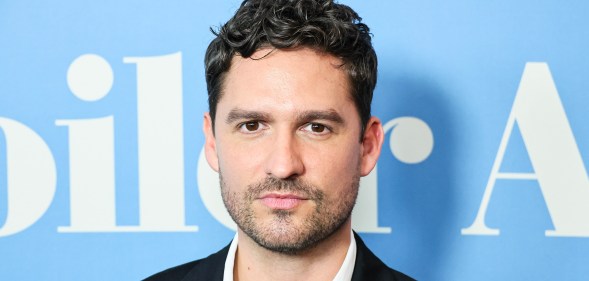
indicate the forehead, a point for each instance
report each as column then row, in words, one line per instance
column 289, row 78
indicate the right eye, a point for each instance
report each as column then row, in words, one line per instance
column 250, row 127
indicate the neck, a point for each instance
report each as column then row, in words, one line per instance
column 321, row 262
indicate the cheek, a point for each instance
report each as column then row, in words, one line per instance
column 240, row 162
column 334, row 163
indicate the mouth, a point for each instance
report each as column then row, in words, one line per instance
column 278, row 201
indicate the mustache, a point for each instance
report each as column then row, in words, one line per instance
column 296, row 186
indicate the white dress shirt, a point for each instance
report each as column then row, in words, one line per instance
column 344, row 273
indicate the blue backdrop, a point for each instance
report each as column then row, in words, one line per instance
column 482, row 176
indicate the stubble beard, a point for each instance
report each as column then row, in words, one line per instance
column 282, row 234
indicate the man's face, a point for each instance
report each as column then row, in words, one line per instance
column 286, row 146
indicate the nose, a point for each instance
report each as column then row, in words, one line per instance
column 284, row 159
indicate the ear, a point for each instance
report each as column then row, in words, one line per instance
column 371, row 145
column 210, row 142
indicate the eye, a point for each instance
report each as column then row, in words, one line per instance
column 317, row 129
column 250, row 127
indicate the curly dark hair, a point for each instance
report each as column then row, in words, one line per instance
column 321, row 25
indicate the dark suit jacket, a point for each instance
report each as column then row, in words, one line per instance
column 368, row 267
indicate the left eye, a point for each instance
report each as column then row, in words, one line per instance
column 316, row 128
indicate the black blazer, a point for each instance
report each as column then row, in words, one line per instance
column 368, row 267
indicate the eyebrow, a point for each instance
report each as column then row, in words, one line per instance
column 301, row 117
column 328, row 115
column 241, row 114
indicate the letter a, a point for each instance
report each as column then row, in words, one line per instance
column 553, row 152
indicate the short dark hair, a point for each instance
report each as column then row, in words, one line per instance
column 321, row 25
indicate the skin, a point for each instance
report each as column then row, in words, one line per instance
column 290, row 117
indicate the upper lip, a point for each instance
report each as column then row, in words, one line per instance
column 282, row 196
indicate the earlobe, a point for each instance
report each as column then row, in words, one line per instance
column 371, row 145
column 210, row 142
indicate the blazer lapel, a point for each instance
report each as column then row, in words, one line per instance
column 369, row 267
column 210, row 268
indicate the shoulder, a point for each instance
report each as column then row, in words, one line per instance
column 209, row 268
column 369, row 267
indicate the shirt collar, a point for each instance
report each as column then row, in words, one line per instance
column 344, row 274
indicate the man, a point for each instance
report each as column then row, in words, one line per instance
column 289, row 130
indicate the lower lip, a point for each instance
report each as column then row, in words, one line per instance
column 281, row 203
